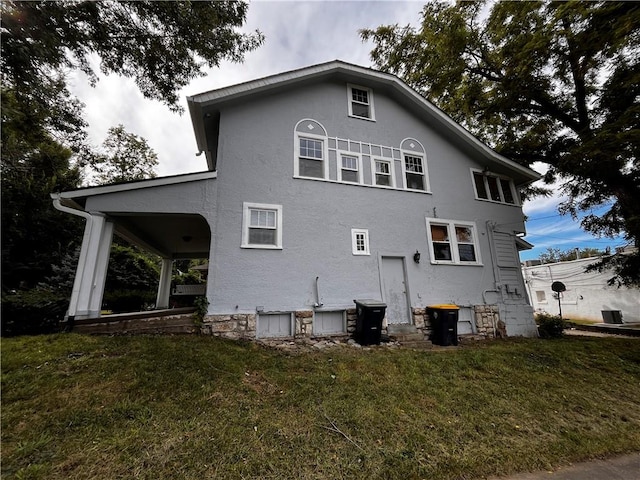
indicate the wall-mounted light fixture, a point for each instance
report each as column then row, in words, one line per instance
column 416, row 257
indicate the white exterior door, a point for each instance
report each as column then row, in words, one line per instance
column 395, row 290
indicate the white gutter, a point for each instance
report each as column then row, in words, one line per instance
column 73, row 302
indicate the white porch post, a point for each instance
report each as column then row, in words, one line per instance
column 88, row 287
column 164, row 287
column 100, row 274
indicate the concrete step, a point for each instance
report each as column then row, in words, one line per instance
column 408, row 337
column 394, row 329
column 422, row 344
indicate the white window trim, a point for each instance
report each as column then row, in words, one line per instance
column 354, row 246
column 246, row 221
column 339, row 154
column 325, row 154
column 514, row 190
column 351, row 86
column 425, row 171
column 392, row 171
column 455, row 254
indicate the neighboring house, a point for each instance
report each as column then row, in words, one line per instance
column 325, row 184
column 587, row 295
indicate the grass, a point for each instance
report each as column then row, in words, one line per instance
column 197, row 407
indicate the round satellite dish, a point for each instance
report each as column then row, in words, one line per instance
column 558, row 287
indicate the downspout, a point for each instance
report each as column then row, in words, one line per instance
column 318, row 304
column 71, row 313
column 492, row 249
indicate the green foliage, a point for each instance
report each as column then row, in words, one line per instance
column 34, row 235
column 128, row 300
column 202, row 306
column 554, row 82
column 553, row 255
column 131, row 268
column 550, row 326
column 32, row 312
column 162, row 45
column 197, row 407
column 124, row 157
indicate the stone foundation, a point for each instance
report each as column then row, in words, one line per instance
column 352, row 318
column 234, row 326
column 421, row 320
column 304, row 323
column 243, row 326
column 487, row 319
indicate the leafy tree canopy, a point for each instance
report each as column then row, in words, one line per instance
column 124, row 157
column 553, row 82
column 162, row 45
column 553, row 255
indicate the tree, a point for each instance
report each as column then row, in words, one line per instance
column 34, row 235
column 553, row 255
column 551, row 82
column 124, row 157
column 162, row 45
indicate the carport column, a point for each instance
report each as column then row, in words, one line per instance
column 164, row 287
column 88, row 288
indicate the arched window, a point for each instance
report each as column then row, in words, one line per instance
column 310, row 151
column 414, row 165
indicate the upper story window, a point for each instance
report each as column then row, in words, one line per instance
column 453, row 242
column 310, row 150
column 414, row 165
column 261, row 226
column 311, row 158
column 350, row 168
column 414, row 172
column 360, row 102
column 494, row 188
column 383, row 173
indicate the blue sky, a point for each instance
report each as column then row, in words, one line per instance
column 298, row 34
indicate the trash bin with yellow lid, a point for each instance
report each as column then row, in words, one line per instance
column 444, row 323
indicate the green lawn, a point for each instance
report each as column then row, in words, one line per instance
column 194, row 407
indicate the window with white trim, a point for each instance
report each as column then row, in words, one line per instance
column 414, row 172
column 349, row 170
column 360, row 102
column 453, row 242
column 311, row 157
column 383, row 173
column 493, row 187
column 261, row 226
column 360, row 241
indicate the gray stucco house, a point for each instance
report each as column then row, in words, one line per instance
column 324, row 185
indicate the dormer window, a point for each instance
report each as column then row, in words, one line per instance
column 360, row 102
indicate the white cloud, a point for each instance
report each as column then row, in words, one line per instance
column 298, row 34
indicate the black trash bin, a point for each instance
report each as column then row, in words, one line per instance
column 444, row 324
column 370, row 314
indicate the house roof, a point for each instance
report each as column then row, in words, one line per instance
column 204, row 108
